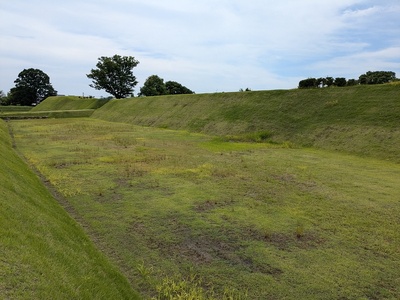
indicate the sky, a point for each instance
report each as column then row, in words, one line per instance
column 207, row 45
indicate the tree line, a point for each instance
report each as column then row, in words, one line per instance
column 376, row 77
column 115, row 76
column 112, row 74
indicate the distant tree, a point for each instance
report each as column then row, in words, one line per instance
column 321, row 82
column 31, row 87
column 377, row 77
column 308, row 83
column 351, row 82
column 3, row 98
column 340, row 81
column 174, row 88
column 329, row 81
column 363, row 79
column 153, row 86
column 114, row 75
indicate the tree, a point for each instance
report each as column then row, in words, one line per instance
column 377, row 77
column 31, row 87
column 3, row 98
column 351, row 82
column 329, row 81
column 321, row 82
column 153, row 86
column 340, row 81
column 308, row 83
column 174, row 88
column 114, row 75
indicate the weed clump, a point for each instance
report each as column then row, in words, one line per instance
column 252, row 137
column 192, row 288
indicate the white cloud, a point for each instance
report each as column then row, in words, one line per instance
column 353, row 65
column 206, row 45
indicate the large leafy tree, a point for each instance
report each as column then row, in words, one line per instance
column 31, row 87
column 114, row 75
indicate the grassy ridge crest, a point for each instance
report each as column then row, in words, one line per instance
column 45, row 254
column 68, row 103
column 361, row 119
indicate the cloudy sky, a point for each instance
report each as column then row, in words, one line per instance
column 207, row 45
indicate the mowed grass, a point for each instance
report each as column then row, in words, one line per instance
column 13, row 108
column 44, row 253
column 362, row 120
column 79, row 113
column 257, row 219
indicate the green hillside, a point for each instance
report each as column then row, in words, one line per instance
column 68, row 103
column 359, row 119
column 44, row 253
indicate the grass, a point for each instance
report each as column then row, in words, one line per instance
column 362, row 120
column 44, row 253
column 7, row 109
column 266, row 220
column 69, row 103
column 54, row 107
column 79, row 113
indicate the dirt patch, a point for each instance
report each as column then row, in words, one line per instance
column 207, row 247
column 289, row 242
column 209, row 205
column 293, row 180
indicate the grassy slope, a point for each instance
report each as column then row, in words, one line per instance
column 68, row 103
column 13, row 108
column 44, row 253
column 360, row 119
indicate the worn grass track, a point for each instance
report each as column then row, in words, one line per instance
column 268, row 219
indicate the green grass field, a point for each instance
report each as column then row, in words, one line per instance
column 260, row 219
column 44, row 253
column 287, row 194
